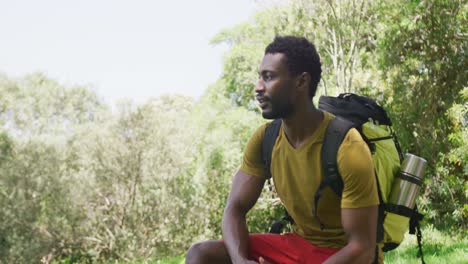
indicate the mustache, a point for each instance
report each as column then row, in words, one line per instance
column 262, row 97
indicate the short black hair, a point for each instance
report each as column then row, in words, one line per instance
column 301, row 56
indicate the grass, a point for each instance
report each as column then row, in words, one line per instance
column 440, row 254
column 438, row 248
column 176, row 260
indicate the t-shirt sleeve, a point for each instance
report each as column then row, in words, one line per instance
column 252, row 161
column 357, row 170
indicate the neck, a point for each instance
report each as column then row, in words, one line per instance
column 302, row 124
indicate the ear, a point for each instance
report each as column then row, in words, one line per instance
column 303, row 82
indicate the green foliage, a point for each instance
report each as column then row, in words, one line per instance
column 145, row 181
column 223, row 132
column 247, row 41
column 137, row 162
column 37, row 216
column 5, row 146
column 114, row 186
column 36, row 105
column 345, row 35
column 342, row 31
column 424, row 75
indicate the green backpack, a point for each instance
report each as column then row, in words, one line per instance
column 373, row 123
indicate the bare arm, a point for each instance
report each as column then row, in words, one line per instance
column 244, row 194
column 360, row 224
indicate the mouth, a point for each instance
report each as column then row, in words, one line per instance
column 262, row 101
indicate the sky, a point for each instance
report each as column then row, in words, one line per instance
column 121, row 49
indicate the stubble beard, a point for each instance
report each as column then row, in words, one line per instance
column 278, row 109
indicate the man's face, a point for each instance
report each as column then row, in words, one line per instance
column 275, row 87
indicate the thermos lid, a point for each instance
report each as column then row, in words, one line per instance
column 413, row 165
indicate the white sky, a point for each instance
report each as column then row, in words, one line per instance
column 122, row 49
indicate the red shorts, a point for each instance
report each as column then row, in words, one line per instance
column 287, row 248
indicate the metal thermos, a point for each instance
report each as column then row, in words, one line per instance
column 406, row 185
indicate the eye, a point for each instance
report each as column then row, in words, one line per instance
column 267, row 76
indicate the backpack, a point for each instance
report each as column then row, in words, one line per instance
column 374, row 125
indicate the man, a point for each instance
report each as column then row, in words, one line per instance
column 345, row 229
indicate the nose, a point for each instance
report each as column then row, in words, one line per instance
column 260, row 86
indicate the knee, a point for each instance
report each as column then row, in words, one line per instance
column 197, row 253
column 212, row 251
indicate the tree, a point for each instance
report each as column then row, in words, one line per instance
column 422, row 57
column 37, row 118
column 341, row 30
column 36, row 105
column 345, row 36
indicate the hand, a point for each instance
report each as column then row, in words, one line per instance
column 260, row 261
column 263, row 261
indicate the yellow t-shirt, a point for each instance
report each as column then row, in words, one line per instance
column 297, row 173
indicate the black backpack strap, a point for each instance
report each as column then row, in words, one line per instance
column 277, row 226
column 334, row 135
column 381, row 212
column 415, row 228
column 268, row 142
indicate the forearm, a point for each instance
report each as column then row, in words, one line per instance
column 353, row 253
column 235, row 234
column 360, row 224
